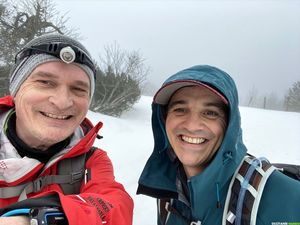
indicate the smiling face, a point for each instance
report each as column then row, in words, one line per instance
column 195, row 126
column 51, row 104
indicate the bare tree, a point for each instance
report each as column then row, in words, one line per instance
column 21, row 21
column 251, row 97
column 121, row 61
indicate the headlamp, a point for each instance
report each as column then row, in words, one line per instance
column 66, row 52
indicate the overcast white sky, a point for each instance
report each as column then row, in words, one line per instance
column 257, row 41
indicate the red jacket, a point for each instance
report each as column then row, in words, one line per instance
column 102, row 200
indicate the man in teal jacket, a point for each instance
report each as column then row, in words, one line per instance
column 198, row 147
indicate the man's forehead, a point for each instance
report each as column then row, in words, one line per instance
column 185, row 95
column 187, row 92
column 54, row 76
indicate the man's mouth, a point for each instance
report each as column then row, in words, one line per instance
column 193, row 140
column 58, row 117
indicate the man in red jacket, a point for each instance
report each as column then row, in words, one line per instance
column 44, row 131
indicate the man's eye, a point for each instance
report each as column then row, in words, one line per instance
column 80, row 89
column 179, row 110
column 44, row 82
column 211, row 114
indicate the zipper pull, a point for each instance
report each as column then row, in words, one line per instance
column 196, row 223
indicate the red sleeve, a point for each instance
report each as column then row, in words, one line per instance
column 102, row 200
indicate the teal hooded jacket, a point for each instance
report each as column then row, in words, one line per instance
column 280, row 202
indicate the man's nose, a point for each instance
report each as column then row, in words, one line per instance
column 194, row 122
column 61, row 98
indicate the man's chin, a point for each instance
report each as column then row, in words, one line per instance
column 53, row 137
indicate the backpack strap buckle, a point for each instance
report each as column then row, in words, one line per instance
column 38, row 184
column 76, row 176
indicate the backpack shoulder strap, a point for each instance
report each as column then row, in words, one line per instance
column 75, row 169
column 70, row 173
column 245, row 191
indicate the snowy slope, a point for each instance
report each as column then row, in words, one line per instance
column 128, row 141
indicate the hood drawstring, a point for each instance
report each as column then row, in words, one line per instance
column 227, row 156
column 218, row 196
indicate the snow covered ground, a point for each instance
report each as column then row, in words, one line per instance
column 128, row 141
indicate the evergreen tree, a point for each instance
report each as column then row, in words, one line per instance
column 114, row 93
column 119, row 81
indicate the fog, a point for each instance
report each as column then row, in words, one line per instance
column 256, row 42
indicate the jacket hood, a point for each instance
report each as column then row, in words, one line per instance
column 160, row 171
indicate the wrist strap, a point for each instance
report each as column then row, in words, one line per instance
column 16, row 212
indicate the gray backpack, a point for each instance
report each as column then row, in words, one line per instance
column 70, row 174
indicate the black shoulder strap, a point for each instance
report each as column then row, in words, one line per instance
column 290, row 170
column 90, row 152
column 245, row 191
